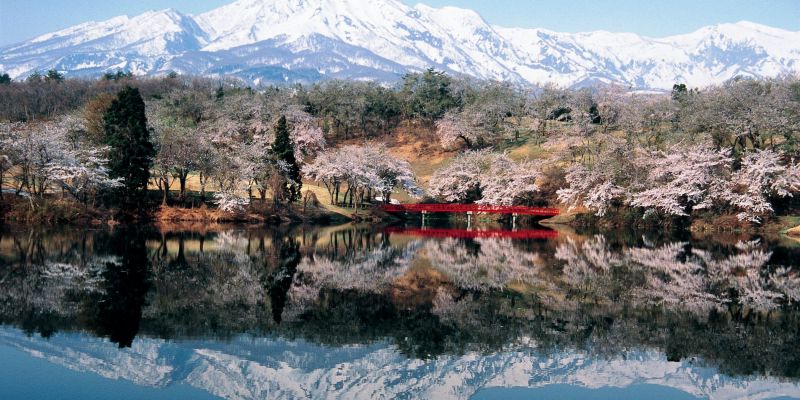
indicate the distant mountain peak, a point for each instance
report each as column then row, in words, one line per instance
column 279, row 40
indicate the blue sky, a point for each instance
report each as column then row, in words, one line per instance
column 23, row 19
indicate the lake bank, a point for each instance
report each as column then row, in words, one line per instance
column 52, row 211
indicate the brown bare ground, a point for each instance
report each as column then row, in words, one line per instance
column 416, row 144
column 203, row 214
column 50, row 211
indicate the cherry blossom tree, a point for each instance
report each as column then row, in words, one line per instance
column 182, row 151
column 50, row 153
column 685, row 180
column 590, row 188
column 177, row 124
column 453, row 132
column 34, row 148
column 762, row 175
column 161, row 171
column 364, row 170
column 6, row 150
column 329, row 171
column 509, row 183
column 256, row 164
column 550, row 103
column 307, row 137
column 460, row 181
column 229, row 200
column 83, row 173
column 388, row 173
column 601, row 185
column 485, row 177
column 230, row 172
column 242, row 114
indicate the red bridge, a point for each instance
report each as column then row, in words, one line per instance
column 469, row 208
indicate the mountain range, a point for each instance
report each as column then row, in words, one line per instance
column 267, row 41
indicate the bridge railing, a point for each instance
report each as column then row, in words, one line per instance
column 465, row 208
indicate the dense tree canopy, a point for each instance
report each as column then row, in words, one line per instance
column 727, row 149
column 428, row 96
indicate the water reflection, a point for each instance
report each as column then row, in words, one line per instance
column 455, row 233
column 375, row 311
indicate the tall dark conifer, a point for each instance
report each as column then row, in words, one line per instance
column 131, row 155
column 283, row 148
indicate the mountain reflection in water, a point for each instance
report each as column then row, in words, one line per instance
column 359, row 312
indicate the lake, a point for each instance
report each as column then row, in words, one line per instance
column 367, row 312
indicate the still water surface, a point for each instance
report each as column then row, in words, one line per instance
column 377, row 312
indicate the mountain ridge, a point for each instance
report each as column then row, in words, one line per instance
column 265, row 41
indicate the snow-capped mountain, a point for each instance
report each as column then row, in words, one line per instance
column 257, row 368
column 306, row 40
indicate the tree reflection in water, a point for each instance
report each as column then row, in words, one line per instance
column 115, row 311
column 280, row 281
column 730, row 306
column 680, row 276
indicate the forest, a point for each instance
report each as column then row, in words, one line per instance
column 129, row 145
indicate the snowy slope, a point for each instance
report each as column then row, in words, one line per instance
column 141, row 44
column 306, row 40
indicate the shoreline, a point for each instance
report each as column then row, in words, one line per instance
column 65, row 213
column 62, row 213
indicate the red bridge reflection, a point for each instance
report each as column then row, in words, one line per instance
column 474, row 233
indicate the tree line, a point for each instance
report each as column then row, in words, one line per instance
column 605, row 149
column 724, row 149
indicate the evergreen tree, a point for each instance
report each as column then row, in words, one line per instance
column 429, row 95
column 283, row 148
column 131, row 157
column 5, row 79
column 119, row 75
column 679, row 92
column 794, row 90
column 594, row 114
column 34, row 77
column 54, row 76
